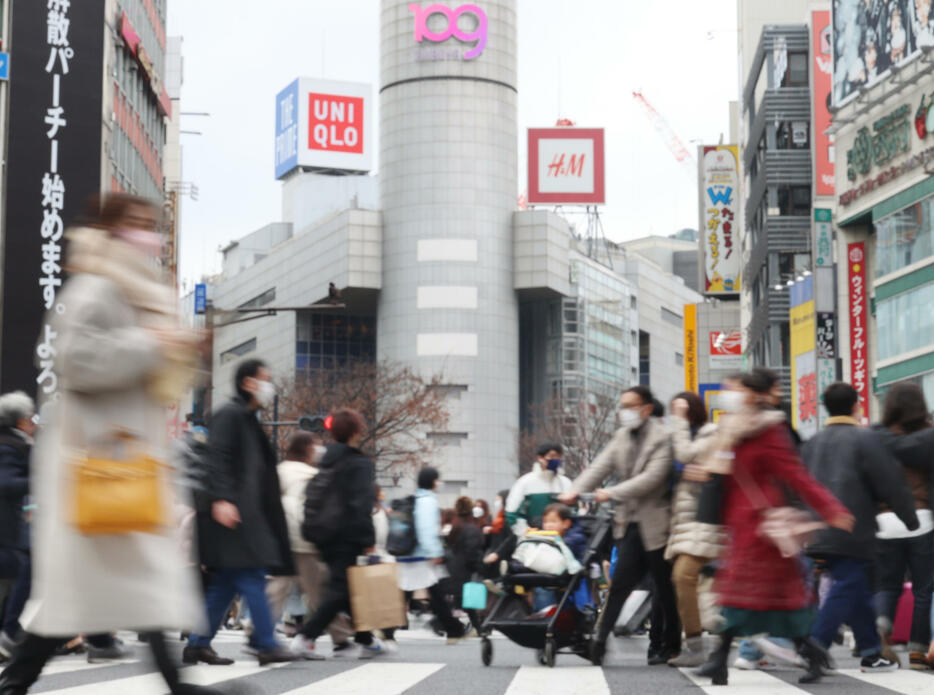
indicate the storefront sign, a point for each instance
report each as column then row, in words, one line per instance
column 690, row 347
column 719, row 230
column 135, row 46
column 726, row 350
column 824, row 156
column 823, row 238
column 891, row 137
column 918, row 160
column 859, row 352
column 802, row 319
column 826, row 336
column 477, row 36
column 566, row 165
column 55, row 156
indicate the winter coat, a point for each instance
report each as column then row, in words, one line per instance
column 100, row 583
column 851, row 462
column 753, row 574
column 380, row 529
column 293, row 479
column 576, row 540
column 529, row 496
column 688, row 535
column 356, row 475
column 427, row 526
column 241, row 469
column 14, row 488
column 915, row 452
column 465, row 553
column 642, row 461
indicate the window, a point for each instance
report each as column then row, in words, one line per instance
column 796, row 75
column 632, row 302
column 238, row 351
column 260, row 300
column 449, row 390
column 644, row 358
column 792, row 135
column 794, row 200
column 671, row 317
column 679, row 359
column 791, row 265
column 905, row 322
column 905, row 237
column 447, row 438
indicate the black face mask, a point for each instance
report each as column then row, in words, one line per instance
column 553, row 465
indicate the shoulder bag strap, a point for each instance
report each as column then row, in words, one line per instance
column 752, row 491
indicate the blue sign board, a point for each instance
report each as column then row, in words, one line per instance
column 201, row 298
column 4, row 66
column 287, row 130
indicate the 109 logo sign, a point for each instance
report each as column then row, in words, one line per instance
column 477, row 36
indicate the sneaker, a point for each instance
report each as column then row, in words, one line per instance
column 344, row 650
column 7, row 645
column 303, row 647
column 391, row 646
column 112, row 653
column 744, row 664
column 776, row 651
column 493, row 587
column 375, row 648
column 887, row 652
column 877, row 664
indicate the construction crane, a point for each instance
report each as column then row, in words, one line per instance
column 680, row 152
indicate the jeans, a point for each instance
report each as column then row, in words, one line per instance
column 634, row 561
column 893, row 557
column 848, row 601
column 16, row 599
column 251, row 585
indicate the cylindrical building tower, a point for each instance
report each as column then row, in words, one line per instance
column 448, row 191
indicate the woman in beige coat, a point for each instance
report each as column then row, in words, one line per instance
column 120, row 358
column 692, row 544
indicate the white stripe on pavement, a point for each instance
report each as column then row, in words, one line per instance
column 152, row 683
column 384, row 679
column 570, row 680
column 74, row 665
column 745, row 683
column 903, row 681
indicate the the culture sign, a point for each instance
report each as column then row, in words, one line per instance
column 859, row 352
column 719, row 226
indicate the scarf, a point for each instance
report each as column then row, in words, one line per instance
column 735, row 428
column 143, row 286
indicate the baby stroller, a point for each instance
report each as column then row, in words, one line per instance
column 569, row 626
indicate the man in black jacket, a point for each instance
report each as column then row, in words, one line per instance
column 353, row 477
column 851, row 462
column 242, row 531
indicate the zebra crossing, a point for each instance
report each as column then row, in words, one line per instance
column 424, row 666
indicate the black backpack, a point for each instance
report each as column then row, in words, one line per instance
column 324, row 508
column 402, row 540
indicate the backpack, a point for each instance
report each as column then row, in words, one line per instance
column 402, row 540
column 324, row 508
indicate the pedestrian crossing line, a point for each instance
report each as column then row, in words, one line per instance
column 76, row 665
column 903, row 681
column 745, row 683
column 385, row 679
column 567, row 680
column 153, row 684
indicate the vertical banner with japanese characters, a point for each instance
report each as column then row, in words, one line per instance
column 719, row 231
column 859, row 319
column 804, row 401
column 690, row 347
column 53, row 165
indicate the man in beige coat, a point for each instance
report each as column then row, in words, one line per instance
column 640, row 458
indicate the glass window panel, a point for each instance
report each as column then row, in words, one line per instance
column 905, row 321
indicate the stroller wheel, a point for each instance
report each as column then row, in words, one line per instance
column 486, row 651
column 551, row 649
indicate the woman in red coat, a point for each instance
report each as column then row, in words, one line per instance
column 759, row 590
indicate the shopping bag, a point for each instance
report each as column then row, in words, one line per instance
column 901, row 630
column 376, row 601
column 474, row 596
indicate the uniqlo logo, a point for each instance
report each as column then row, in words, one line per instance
column 335, row 123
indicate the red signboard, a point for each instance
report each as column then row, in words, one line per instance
column 859, row 352
column 135, row 45
column 566, row 166
column 335, row 123
column 726, row 343
column 822, row 43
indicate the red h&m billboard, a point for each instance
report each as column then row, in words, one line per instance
column 859, row 351
column 822, row 44
column 566, row 165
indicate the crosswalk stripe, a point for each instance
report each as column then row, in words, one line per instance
column 153, row 684
column 76, row 665
column 903, row 681
column 745, row 683
column 567, row 680
column 385, row 679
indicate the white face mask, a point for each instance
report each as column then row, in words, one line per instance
column 146, row 241
column 320, row 451
column 265, row 393
column 630, row 419
column 732, row 401
column 497, row 506
column 477, row 512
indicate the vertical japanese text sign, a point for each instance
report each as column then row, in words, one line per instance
column 54, row 164
column 720, row 229
column 690, row 347
column 859, row 358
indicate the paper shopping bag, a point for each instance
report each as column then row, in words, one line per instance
column 376, row 601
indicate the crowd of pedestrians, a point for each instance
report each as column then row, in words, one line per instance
column 804, row 538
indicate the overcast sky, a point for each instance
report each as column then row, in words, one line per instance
column 579, row 59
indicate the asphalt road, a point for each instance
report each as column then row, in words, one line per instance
column 425, row 665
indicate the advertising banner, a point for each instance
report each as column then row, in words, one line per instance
column 859, row 322
column 802, row 318
column 826, row 336
column 566, row 165
column 823, row 237
column 55, row 161
column 826, row 375
column 821, row 50
column 690, row 347
column 719, row 230
column 870, row 36
column 726, row 350
column 322, row 125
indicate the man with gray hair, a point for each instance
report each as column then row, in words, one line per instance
column 17, row 426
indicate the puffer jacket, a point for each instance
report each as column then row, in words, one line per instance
column 689, row 536
column 293, row 480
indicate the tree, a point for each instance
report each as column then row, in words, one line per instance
column 400, row 408
column 583, row 428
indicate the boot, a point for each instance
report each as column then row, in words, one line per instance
column 715, row 668
column 816, row 658
column 692, row 653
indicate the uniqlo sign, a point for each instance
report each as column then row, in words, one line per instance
column 322, row 125
column 566, row 166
